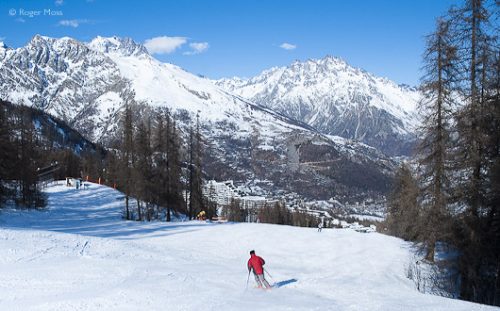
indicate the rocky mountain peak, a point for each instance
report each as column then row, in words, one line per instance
column 3, row 50
column 124, row 46
column 56, row 53
column 338, row 99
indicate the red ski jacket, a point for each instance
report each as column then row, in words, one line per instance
column 256, row 263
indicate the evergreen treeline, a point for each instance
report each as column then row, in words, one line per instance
column 147, row 165
column 31, row 141
column 20, row 158
column 452, row 194
column 276, row 213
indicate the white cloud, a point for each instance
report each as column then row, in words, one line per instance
column 288, row 46
column 73, row 22
column 164, row 44
column 59, row 2
column 197, row 48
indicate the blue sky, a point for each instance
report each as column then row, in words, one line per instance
column 224, row 38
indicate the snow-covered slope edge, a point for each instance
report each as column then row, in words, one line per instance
column 337, row 99
column 80, row 255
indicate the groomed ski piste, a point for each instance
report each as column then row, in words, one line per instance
column 78, row 254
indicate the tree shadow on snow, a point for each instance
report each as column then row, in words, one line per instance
column 91, row 213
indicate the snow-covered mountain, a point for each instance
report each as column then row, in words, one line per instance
column 67, row 79
column 87, row 85
column 337, row 99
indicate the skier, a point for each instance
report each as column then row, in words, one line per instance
column 320, row 226
column 255, row 263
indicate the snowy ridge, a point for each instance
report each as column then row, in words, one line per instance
column 337, row 99
column 80, row 255
column 77, row 81
column 122, row 46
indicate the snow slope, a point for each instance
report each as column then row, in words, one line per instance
column 79, row 255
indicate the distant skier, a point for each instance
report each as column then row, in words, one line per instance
column 320, row 226
column 256, row 264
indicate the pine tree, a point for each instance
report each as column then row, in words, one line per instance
column 92, row 166
column 403, row 214
column 142, row 172
column 198, row 168
column 195, row 172
column 70, row 164
column 235, row 211
column 175, row 171
column 111, row 167
column 471, row 23
column 162, row 163
column 436, row 144
column 127, row 158
column 7, row 154
column 26, row 166
column 492, row 151
column 191, row 174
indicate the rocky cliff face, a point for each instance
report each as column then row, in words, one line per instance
column 66, row 78
column 337, row 99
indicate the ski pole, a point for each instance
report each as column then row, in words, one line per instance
column 248, row 278
column 265, row 270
